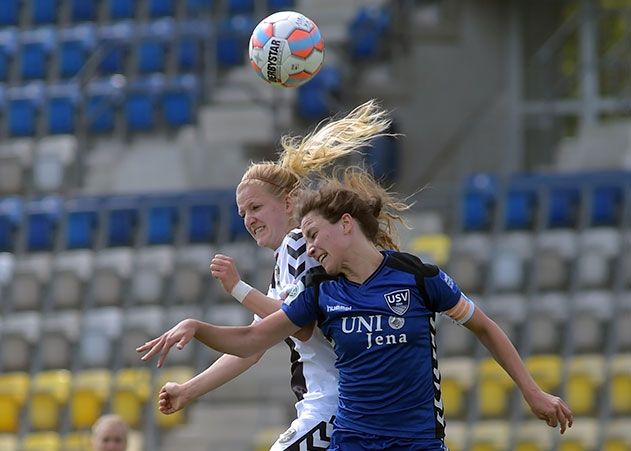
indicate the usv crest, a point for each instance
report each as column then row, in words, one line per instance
column 398, row 301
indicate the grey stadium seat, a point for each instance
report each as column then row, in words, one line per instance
column 71, row 271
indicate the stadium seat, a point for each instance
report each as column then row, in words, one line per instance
column 30, row 277
column 280, row 5
column 62, row 108
column 151, row 55
column 533, row 435
column 490, row 435
column 186, row 355
column 49, row 392
column 563, row 206
column 15, row 159
column 495, row 386
column 317, row 99
column 546, row 322
column 82, row 221
column 75, row 46
column 508, row 311
column 620, row 385
column 60, row 333
column 140, row 325
column 582, row 437
column 7, row 264
column 175, row 374
column 101, row 327
column 122, row 220
column 232, row 37
column 44, row 11
column 453, row 339
column 112, row 269
column 592, row 313
column 77, row 441
column 521, row 203
column 617, row 436
column 456, row 379
column 555, row 250
column 606, row 205
column 14, row 389
column 36, row 47
column 203, row 214
column 11, row 217
column 470, row 255
column 161, row 8
column 115, row 40
column 191, row 273
column 90, row 391
column 366, row 32
column 101, row 106
column 83, row 10
column 599, row 248
column 152, row 268
column 478, row 202
column 546, row 370
column 41, row 441
column 456, row 433
column 622, row 318
column 53, row 157
column 121, row 9
column 8, row 442
column 20, row 333
column 161, row 220
column 8, row 48
column 188, row 53
column 432, row 248
column 179, row 101
column 9, row 14
column 139, row 106
column 132, row 388
column 42, row 222
column 24, row 104
column 584, row 379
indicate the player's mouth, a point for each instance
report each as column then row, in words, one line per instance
column 322, row 257
column 256, row 230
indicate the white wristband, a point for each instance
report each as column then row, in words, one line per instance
column 240, row 290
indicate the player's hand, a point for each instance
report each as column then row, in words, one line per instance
column 225, row 270
column 179, row 336
column 172, row 397
column 552, row 409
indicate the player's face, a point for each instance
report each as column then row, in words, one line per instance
column 326, row 242
column 110, row 437
column 266, row 217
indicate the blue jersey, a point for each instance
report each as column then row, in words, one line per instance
column 383, row 332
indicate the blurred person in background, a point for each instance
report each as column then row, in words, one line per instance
column 109, row 433
column 265, row 201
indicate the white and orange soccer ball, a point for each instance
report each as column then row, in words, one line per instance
column 286, row 49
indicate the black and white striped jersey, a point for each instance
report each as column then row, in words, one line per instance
column 314, row 377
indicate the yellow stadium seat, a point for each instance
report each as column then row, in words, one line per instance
column 457, row 377
column 456, row 435
column 435, row 246
column 41, row 441
column 620, row 386
column 490, row 435
column 77, row 441
column 8, row 442
column 132, row 388
column 533, row 435
column 585, row 376
column 90, row 389
column 495, row 386
column 174, row 374
column 13, row 391
column 582, row 436
column 618, row 435
column 50, row 390
column 546, row 371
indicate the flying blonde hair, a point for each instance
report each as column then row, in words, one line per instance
column 309, row 156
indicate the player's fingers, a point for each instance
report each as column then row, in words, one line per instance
column 147, row 345
column 183, row 341
column 164, row 351
column 155, row 349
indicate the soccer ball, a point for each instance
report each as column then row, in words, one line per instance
column 286, row 49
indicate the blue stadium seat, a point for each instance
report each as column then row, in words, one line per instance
column 83, row 10
column 122, row 9
column 383, row 158
column 520, row 208
column 179, row 101
column 161, row 219
column 122, row 220
column 237, row 227
column 191, row 35
column 280, row 5
column 203, row 212
column 82, row 218
column 115, row 40
column 316, row 98
column 35, row 50
column 42, row 218
column 563, row 206
column 151, row 55
column 478, row 202
column 101, row 104
column 194, row 7
column 9, row 13
column 63, row 101
column 188, row 54
column 235, row 7
column 23, row 106
column 8, row 45
column 232, row 39
column 11, row 214
column 44, row 11
column 606, row 205
column 161, row 8
column 139, row 107
column 74, row 49
column 366, row 32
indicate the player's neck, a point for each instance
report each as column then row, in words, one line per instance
column 362, row 263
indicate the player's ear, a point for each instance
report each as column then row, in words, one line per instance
column 347, row 223
column 289, row 204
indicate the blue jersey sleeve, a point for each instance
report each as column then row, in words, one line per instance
column 301, row 306
column 443, row 291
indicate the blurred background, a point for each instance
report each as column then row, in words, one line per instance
column 125, row 126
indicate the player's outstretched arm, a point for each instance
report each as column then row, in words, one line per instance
column 174, row 397
column 552, row 409
column 223, row 268
column 243, row 341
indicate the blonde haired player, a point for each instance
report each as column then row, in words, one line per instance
column 265, row 201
